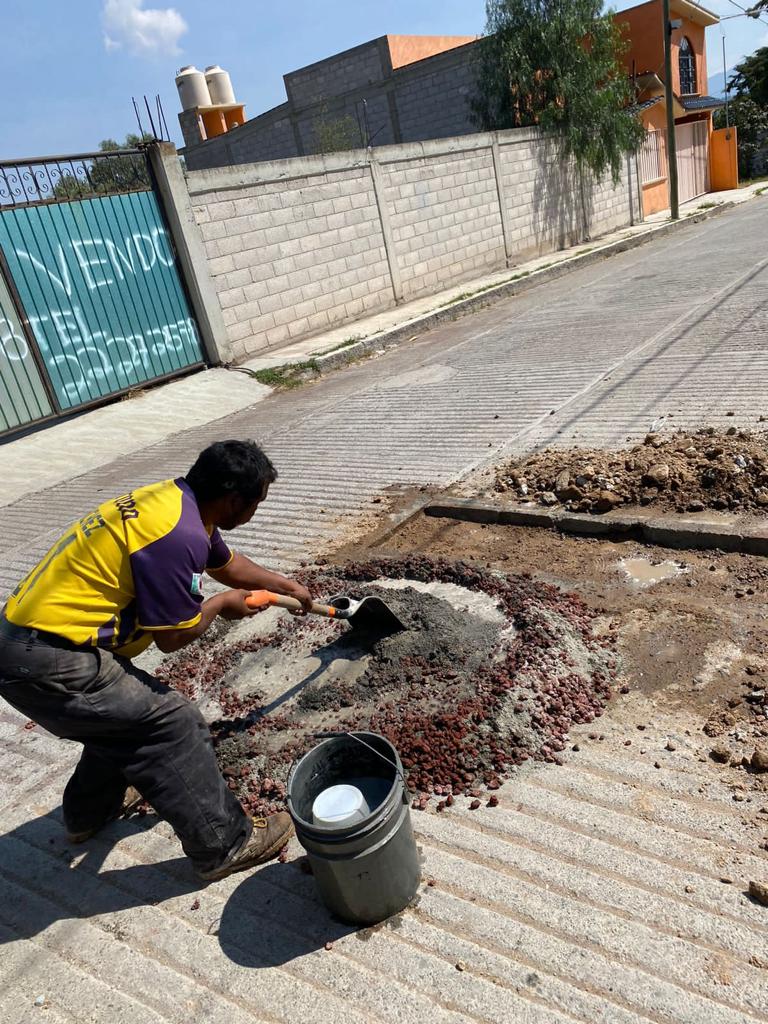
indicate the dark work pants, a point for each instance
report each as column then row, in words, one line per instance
column 134, row 730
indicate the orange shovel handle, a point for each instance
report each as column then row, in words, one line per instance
column 264, row 598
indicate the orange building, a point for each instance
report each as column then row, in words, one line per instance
column 706, row 158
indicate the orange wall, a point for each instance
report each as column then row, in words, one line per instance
column 695, row 35
column 723, row 159
column 408, row 49
column 642, row 31
column 644, row 34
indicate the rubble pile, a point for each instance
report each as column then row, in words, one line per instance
column 682, row 472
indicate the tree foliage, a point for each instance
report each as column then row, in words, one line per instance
column 556, row 64
column 104, row 177
column 751, row 122
column 335, row 134
column 750, row 78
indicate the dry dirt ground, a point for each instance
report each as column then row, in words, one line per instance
column 693, row 646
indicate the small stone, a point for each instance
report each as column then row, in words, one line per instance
column 40, row 1001
column 493, row 801
column 431, row 882
column 730, row 413
column 195, row 905
column 576, row 747
column 731, row 431
column 689, row 888
column 624, row 689
column 720, row 753
column 738, row 797
column 671, row 745
column 656, row 764
column 607, row 500
column 696, row 506
column 548, row 498
column 641, row 727
column 474, row 805
column 759, row 761
column 656, row 476
column 460, row 965
column 759, row 891
column 562, row 481
column 329, row 945
column 726, row 881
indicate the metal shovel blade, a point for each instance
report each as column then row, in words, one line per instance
column 370, row 613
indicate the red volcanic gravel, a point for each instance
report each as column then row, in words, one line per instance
column 459, row 722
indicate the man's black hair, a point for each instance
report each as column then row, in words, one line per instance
column 231, row 467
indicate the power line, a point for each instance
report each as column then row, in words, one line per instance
column 747, row 11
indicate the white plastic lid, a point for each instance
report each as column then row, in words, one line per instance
column 339, row 805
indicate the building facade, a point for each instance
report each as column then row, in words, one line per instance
column 389, row 90
column 702, row 155
column 400, row 89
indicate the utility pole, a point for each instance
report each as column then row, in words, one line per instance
column 725, row 84
column 674, row 204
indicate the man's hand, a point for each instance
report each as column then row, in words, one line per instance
column 241, row 572
column 233, row 605
column 291, row 588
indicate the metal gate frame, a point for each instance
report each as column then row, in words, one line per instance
column 32, row 182
column 692, row 142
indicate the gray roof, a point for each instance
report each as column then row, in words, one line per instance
column 701, row 102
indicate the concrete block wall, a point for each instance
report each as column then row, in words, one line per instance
column 353, row 69
column 295, row 247
column 445, row 217
column 292, row 258
column 267, row 137
column 433, row 95
column 546, row 206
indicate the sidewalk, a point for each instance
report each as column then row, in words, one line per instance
column 48, row 456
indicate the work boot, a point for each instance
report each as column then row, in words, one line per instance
column 268, row 838
column 124, row 809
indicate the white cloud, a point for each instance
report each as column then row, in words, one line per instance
column 151, row 31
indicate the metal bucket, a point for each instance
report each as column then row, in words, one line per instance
column 369, row 869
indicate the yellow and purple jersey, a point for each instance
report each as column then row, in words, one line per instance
column 131, row 567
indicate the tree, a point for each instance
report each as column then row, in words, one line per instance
column 750, row 78
column 84, row 178
column 556, row 64
column 751, row 122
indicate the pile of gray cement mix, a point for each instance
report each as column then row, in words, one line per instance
column 490, row 670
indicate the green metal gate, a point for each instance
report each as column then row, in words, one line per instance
column 92, row 302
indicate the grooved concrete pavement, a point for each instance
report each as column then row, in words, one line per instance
column 568, row 902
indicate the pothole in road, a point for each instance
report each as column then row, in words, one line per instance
column 645, row 573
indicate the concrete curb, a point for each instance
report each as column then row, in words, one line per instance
column 668, row 531
column 462, row 307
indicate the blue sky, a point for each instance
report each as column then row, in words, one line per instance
column 74, row 66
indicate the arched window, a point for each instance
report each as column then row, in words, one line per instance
column 687, row 68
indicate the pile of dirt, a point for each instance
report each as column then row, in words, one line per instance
column 682, row 472
column 463, row 698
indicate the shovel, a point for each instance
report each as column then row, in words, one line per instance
column 370, row 613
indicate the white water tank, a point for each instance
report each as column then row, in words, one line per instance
column 219, row 85
column 193, row 89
